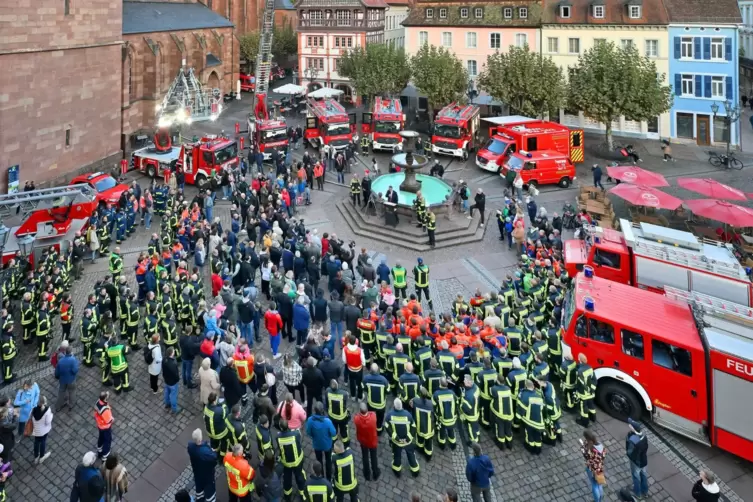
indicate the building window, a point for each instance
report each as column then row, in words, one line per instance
column 495, row 40
column 471, row 40
column 68, row 137
column 316, row 17
column 599, row 11
column 423, row 38
column 429, row 13
column 721, row 131
column 446, row 39
column 565, row 11
column 521, row 39
column 343, row 17
column 316, row 63
column 717, row 48
column 507, row 12
column 443, row 13
column 573, row 45
column 717, row 87
column 336, row 64
column 652, row 48
column 343, row 42
column 626, row 43
column 319, row 41
column 523, row 13
column 472, row 69
column 478, row 13
column 464, row 13
column 687, row 85
column 686, row 48
column 598, row 41
column 685, row 125
column 553, row 45
column 634, row 11
column 67, row 7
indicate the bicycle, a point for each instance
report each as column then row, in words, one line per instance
column 728, row 161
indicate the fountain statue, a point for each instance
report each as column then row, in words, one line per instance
column 409, row 162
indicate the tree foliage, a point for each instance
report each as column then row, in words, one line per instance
column 249, row 47
column 438, row 74
column 377, row 69
column 610, row 81
column 530, row 84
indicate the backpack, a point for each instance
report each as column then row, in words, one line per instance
column 148, row 356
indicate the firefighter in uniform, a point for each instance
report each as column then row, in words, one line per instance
column 408, row 386
column 116, row 264
column 502, row 408
column 215, row 422
column 240, row 475
column 346, row 481
column 397, row 362
column 170, row 333
column 9, row 351
column 66, row 316
column 264, row 438
column 554, row 343
column 244, row 367
column 100, row 352
column 516, row 381
column 399, row 277
column 237, row 429
column 432, row 376
column 449, row 364
column 367, row 330
column 585, row 391
column 401, row 428
column 421, row 278
column 365, row 144
column 28, row 318
column 431, row 227
column 291, row 457
column 354, row 358
column 104, row 235
column 355, row 191
column 43, row 331
column 132, row 321
column 485, row 380
column 469, row 409
column 88, row 335
column 424, row 413
column 120, row 224
column 376, row 387
column 568, row 373
column 318, row 488
column 552, row 413
column 419, row 205
column 336, row 401
column 151, row 327
column 445, row 406
column 116, row 353
column 530, row 412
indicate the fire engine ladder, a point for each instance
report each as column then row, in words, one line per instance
column 264, row 58
column 692, row 260
column 24, row 203
column 187, row 93
column 716, row 307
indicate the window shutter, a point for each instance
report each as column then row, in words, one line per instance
column 698, row 86
column 678, row 84
column 707, row 86
column 706, row 48
column 678, row 48
column 697, row 48
column 730, row 93
column 728, row 49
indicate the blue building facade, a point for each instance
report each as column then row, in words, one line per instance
column 703, row 67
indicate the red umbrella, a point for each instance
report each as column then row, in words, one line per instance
column 645, row 196
column 637, row 176
column 722, row 211
column 711, row 188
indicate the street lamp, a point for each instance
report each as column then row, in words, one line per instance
column 311, row 73
column 472, row 92
column 731, row 116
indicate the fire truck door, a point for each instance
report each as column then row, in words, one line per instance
column 366, row 123
column 353, row 121
column 609, row 265
column 597, row 340
column 312, row 123
column 576, row 146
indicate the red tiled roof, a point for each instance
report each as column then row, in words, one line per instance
column 615, row 12
column 703, row 11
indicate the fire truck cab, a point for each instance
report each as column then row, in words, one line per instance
column 384, row 123
column 268, row 135
column 544, row 167
column 456, row 130
column 531, row 135
column 327, row 123
column 683, row 359
column 248, row 82
column 652, row 257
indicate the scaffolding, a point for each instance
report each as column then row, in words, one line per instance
column 187, row 101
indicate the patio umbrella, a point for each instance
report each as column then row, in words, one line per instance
column 325, row 92
column 711, row 188
column 637, row 176
column 290, row 89
column 722, row 211
column 645, row 196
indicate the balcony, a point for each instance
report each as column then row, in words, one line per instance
column 333, row 24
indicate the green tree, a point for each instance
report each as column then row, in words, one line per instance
column 529, row 83
column 610, row 81
column 377, row 69
column 439, row 75
column 249, row 47
column 284, row 41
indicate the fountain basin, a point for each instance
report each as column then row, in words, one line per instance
column 434, row 190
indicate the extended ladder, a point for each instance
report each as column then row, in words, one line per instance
column 690, row 259
column 712, row 305
column 24, row 203
column 264, row 61
column 186, row 93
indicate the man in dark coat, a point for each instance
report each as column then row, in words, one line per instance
column 313, row 380
column 229, row 380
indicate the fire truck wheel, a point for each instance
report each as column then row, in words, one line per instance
column 151, row 172
column 201, row 180
column 564, row 182
column 465, row 155
column 618, row 400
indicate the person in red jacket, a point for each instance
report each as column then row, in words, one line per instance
column 366, row 432
column 216, row 284
column 273, row 323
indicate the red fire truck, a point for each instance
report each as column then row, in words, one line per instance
column 682, row 359
column 248, row 82
column 327, row 123
column 531, row 135
column 456, row 130
column 651, row 257
column 269, row 135
column 384, row 123
column 200, row 160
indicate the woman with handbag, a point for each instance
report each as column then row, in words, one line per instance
column 594, row 452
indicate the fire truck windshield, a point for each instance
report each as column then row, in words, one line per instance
column 274, row 135
column 336, row 129
column 515, row 163
column 447, row 131
column 228, row 153
column 105, row 184
column 495, row 146
column 387, row 127
column 569, row 308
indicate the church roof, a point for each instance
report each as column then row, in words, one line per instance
column 151, row 17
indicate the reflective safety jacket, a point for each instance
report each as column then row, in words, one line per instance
column 422, row 357
column 237, row 431
column 240, row 475
column 215, row 420
column 503, row 365
column 445, row 405
column 469, row 404
column 568, row 371
column 8, row 347
column 409, row 384
column 118, row 362
column 116, row 263
column 485, row 380
column 345, row 470
column 151, row 326
column 318, row 489
column 516, row 380
column 399, row 274
column 541, row 371
column 337, row 404
column 88, row 329
column 367, row 330
column 424, row 410
column 502, row 403
column 553, row 410
column 400, row 426
column 103, row 415
column 513, row 341
column 448, row 363
column 43, row 323
column 397, row 362
column 28, row 315
column 585, row 385
column 263, row 440
column 474, row 368
column 530, row 409
column 291, row 448
column 431, row 380
column 421, row 276
column 376, row 390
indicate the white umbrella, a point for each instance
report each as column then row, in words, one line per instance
column 289, row 89
column 325, row 92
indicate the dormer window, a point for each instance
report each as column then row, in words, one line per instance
column 478, row 13
column 507, row 12
column 443, row 13
column 634, row 11
column 464, row 12
column 523, row 13
column 565, row 11
column 598, row 11
column 429, row 13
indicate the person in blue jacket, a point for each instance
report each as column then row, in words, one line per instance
column 383, row 272
column 478, row 472
column 203, row 461
column 301, row 320
column 26, row 399
column 288, row 258
column 120, row 223
column 321, row 430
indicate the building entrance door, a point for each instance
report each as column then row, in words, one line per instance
column 703, row 133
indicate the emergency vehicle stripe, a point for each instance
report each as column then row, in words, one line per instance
column 576, row 152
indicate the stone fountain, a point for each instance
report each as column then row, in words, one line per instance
column 410, row 162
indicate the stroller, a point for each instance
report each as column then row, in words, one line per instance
column 569, row 216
